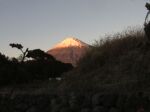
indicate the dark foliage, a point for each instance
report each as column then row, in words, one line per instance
column 20, row 47
column 117, row 63
column 3, row 59
column 41, row 67
column 38, row 54
column 97, row 102
column 147, row 5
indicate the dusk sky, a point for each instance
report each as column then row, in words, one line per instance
column 43, row 23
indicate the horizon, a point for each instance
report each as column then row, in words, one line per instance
column 44, row 23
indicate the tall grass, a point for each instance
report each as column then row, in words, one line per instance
column 112, row 47
column 121, row 60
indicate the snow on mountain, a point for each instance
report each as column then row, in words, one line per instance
column 69, row 50
column 71, row 42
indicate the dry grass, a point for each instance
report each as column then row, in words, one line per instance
column 119, row 61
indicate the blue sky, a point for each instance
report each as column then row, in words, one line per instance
column 43, row 23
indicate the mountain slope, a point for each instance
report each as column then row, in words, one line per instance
column 69, row 50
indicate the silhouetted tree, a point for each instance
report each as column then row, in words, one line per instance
column 45, row 65
column 42, row 66
column 38, row 54
column 147, row 22
column 20, row 47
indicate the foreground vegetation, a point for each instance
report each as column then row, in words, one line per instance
column 76, row 103
column 41, row 67
column 117, row 63
column 113, row 76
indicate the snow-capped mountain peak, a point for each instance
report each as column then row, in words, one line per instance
column 69, row 50
column 71, row 42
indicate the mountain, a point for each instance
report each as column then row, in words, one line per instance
column 69, row 50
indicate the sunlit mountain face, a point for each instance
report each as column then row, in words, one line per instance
column 69, row 50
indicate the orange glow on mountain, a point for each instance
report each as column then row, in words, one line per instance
column 69, row 50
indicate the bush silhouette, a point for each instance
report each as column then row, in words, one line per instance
column 42, row 66
column 3, row 59
column 45, row 65
column 38, row 54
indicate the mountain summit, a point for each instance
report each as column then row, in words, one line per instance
column 69, row 50
column 71, row 42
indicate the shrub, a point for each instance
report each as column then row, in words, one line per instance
column 118, row 62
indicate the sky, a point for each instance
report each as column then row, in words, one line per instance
column 43, row 23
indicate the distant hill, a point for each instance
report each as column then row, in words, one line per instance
column 69, row 50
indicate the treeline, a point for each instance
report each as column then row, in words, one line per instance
column 41, row 66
